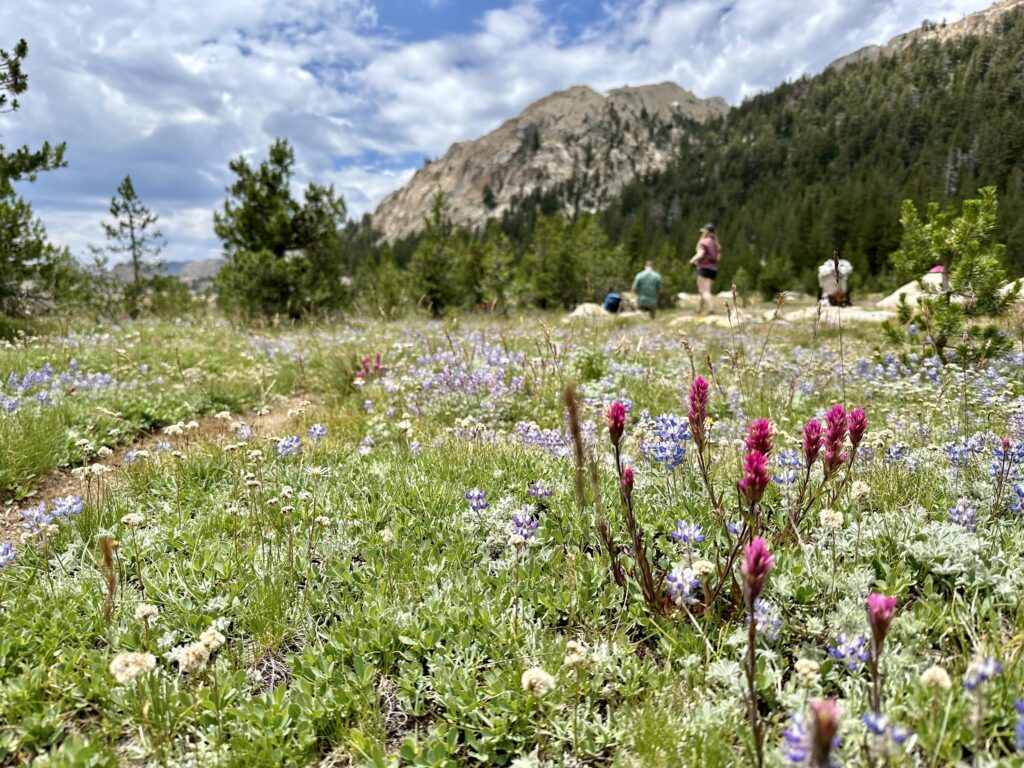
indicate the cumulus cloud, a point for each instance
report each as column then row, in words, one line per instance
column 169, row 92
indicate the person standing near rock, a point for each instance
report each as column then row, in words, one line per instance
column 647, row 284
column 709, row 251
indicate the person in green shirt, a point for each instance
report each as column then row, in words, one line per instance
column 647, row 284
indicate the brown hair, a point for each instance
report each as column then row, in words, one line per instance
column 707, row 233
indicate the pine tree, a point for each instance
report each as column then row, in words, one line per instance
column 25, row 252
column 133, row 234
column 972, row 276
column 283, row 257
column 431, row 263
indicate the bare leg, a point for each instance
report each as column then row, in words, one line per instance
column 707, row 299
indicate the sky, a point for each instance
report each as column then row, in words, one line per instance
column 170, row 92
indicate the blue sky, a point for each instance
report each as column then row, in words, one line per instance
column 171, row 91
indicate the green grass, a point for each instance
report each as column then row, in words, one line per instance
column 372, row 618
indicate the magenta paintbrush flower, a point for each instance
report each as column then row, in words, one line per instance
column 881, row 609
column 759, row 436
column 627, row 482
column 814, row 438
column 755, row 477
column 697, row 409
column 825, row 718
column 757, row 564
column 616, row 422
column 858, row 425
column 835, row 437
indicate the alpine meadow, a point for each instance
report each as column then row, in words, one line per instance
column 643, row 429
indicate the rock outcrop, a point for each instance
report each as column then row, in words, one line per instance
column 589, row 143
column 979, row 23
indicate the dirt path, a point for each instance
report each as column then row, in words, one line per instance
column 61, row 482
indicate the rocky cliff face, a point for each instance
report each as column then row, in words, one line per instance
column 979, row 23
column 590, row 143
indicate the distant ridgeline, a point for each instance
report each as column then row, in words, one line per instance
column 824, row 162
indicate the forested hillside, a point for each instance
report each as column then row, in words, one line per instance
column 825, row 161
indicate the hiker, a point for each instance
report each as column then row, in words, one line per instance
column 647, row 284
column 833, row 281
column 706, row 260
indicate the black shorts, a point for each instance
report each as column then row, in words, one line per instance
column 707, row 272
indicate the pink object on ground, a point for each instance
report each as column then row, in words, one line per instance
column 939, row 268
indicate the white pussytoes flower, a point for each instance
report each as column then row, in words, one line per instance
column 145, row 612
column 190, row 658
column 831, row 519
column 537, row 682
column 807, row 670
column 127, row 666
column 702, row 568
column 575, row 654
column 936, row 677
column 212, row 639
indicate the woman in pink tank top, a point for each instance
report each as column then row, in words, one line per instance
column 709, row 251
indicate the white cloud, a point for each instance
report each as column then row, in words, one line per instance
column 169, row 92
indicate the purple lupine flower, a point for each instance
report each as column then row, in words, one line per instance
column 316, row 432
column 162, row 446
column 767, row 619
column 539, row 490
column 789, row 462
column 963, row 514
column 733, row 528
column 289, row 446
column 852, row 651
column 980, row 671
column 34, row 518
column 796, row 738
column 668, row 453
column 682, row 584
column 895, row 453
column 671, row 428
column 524, row 524
column 888, row 739
column 131, row 456
column 67, row 506
column 477, row 499
column 7, row 553
column 688, row 533
column 243, row 432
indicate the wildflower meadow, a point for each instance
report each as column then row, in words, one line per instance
column 510, row 541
